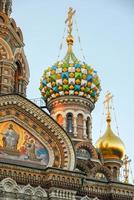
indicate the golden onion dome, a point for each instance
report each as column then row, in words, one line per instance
column 110, row 145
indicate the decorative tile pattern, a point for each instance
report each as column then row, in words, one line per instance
column 70, row 79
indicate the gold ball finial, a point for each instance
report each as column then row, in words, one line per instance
column 70, row 40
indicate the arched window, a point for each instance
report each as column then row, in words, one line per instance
column 115, row 172
column 88, row 127
column 59, row 119
column 18, row 74
column 80, row 125
column 69, row 123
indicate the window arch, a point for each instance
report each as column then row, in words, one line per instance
column 69, row 122
column 80, row 125
column 19, row 79
column 59, row 119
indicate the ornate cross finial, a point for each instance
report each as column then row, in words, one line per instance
column 106, row 102
column 69, row 20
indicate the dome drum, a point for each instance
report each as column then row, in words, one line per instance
column 70, row 101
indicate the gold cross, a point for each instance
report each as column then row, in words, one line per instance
column 108, row 98
column 69, row 20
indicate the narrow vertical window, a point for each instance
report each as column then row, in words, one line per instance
column 18, row 73
column 69, row 123
column 88, row 127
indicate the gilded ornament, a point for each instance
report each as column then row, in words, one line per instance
column 71, row 75
column 71, row 87
column 77, row 81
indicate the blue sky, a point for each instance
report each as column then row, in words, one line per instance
column 107, row 36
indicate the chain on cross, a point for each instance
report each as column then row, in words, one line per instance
column 69, row 20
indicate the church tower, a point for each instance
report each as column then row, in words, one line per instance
column 110, row 146
column 14, row 69
column 71, row 88
column 52, row 157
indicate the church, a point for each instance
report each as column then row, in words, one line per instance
column 51, row 156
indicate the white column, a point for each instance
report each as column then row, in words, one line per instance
column 75, row 126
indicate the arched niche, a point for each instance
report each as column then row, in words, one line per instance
column 59, row 119
column 22, row 74
column 18, row 76
column 5, row 50
column 87, row 146
column 101, row 172
column 83, row 153
column 19, row 55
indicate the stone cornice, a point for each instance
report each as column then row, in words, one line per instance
column 71, row 99
column 58, row 178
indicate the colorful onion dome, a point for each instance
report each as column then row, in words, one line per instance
column 65, row 78
column 70, row 77
column 110, row 145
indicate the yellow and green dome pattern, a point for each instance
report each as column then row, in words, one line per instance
column 73, row 79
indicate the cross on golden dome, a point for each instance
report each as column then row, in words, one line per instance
column 107, row 102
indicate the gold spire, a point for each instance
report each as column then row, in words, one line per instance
column 107, row 101
column 69, row 20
